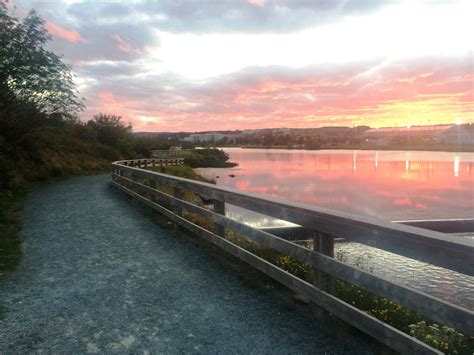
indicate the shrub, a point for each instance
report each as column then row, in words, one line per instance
column 295, row 267
column 443, row 338
column 207, row 158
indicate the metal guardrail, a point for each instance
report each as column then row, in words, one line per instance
column 141, row 184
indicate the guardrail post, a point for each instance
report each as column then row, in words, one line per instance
column 153, row 186
column 324, row 244
column 219, row 207
column 178, row 193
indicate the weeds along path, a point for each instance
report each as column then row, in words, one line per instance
column 99, row 276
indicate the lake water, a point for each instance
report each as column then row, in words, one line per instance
column 392, row 185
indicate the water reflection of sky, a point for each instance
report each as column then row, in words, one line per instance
column 393, row 185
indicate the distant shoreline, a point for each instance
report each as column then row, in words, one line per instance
column 443, row 148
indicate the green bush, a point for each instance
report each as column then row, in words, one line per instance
column 207, row 158
column 443, row 338
column 10, row 226
column 295, row 267
column 185, row 171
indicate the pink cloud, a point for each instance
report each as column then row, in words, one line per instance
column 124, row 46
column 69, row 35
column 8, row 3
column 256, row 2
column 115, row 105
column 403, row 201
column 77, row 63
column 418, row 92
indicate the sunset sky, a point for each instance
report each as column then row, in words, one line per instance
column 176, row 65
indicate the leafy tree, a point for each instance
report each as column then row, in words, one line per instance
column 112, row 131
column 30, row 75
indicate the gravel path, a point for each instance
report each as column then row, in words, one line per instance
column 99, row 277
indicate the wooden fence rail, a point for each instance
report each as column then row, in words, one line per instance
column 141, row 184
column 171, row 153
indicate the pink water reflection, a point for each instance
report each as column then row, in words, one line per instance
column 388, row 184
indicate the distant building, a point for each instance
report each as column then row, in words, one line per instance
column 386, row 135
column 333, row 131
column 208, row 137
column 458, row 135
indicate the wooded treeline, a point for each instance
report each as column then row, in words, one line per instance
column 40, row 133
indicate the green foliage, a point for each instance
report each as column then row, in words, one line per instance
column 36, row 91
column 380, row 307
column 111, row 131
column 29, row 74
column 295, row 267
column 207, row 158
column 404, row 319
column 185, row 171
column 10, row 226
column 143, row 146
column 443, row 338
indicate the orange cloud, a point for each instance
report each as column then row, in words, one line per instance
column 403, row 202
column 69, row 35
column 417, row 92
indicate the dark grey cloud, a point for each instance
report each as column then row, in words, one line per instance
column 113, row 10
column 199, row 16
column 114, row 41
column 224, row 16
column 103, row 69
column 107, row 32
column 122, row 31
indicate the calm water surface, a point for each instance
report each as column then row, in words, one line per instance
column 392, row 185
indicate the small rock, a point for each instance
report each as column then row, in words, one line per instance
column 232, row 175
column 92, row 348
column 299, row 298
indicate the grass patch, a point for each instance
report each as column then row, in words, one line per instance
column 207, row 158
column 11, row 222
column 184, row 171
column 408, row 321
